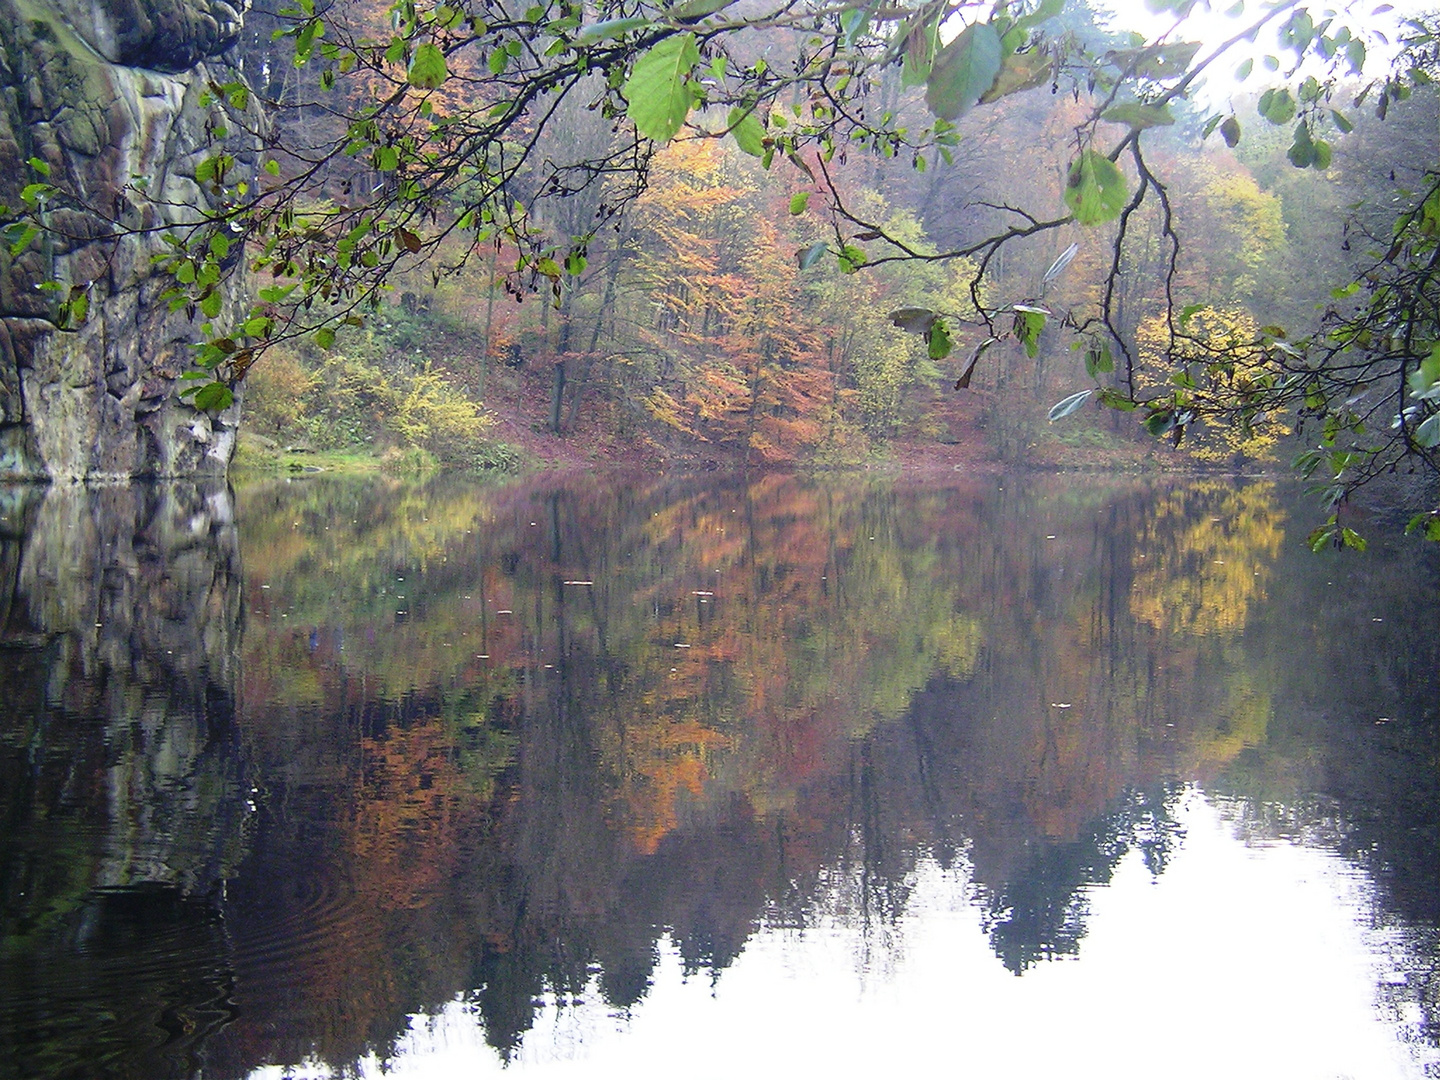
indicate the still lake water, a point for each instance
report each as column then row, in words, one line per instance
column 767, row 776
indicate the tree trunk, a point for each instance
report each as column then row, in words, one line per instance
column 557, row 395
column 489, row 316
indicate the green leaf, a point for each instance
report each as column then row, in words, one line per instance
column 1019, row 71
column 1168, row 61
column 808, row 257
column 1320, row 536
column 853, row 23
column 1302, row 150
column 325, row 337
column 1116, row 399
column 939, row 344
column 213, row 397
column 1230, row 131
column 610, row 28
column 963, row 71
column 1158, row 423
column 1427, row 435
column 920, row 45
column 1099, row 361
column 427, row 69
column 1029, row 322
column 1138, row 116
column 1355, row 53
column 694, row 10
column 1044, row 12
column 305, row 41
column 968, row 371
column 917, row 320
column 1277, row 106
column 1351, row 539
column 658, row 89
column 1429, row 522
column 20, row 237
column 272, row 167
column 275, row 294
column 748, row 131
column 1065, row 406
column 1095, row 189
column 798, row 202
column 1061, row 262
column 210, row 304
column 39, row 165
column 1423, row 378
column 1342, row 121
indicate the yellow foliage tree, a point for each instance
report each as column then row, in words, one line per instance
column 1215, row 358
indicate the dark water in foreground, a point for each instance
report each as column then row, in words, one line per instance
column 767, row 777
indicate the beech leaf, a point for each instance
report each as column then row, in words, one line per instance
column 917, row 320
column 808, row 257
column 1095, row 189
column 658, row 89
column 963, row 71
column 1058, row 266
column 427, row 69
column 1066, row 406
column 748, row 131
column 1138, row 116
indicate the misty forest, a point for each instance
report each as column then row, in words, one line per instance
column 875, row 538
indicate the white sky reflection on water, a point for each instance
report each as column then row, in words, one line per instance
column 1237, row 962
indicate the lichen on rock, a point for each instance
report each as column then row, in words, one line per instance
column 112, row 96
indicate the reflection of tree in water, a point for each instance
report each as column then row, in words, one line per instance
column 870, row 681
column 1040, row 913
column 833, row 719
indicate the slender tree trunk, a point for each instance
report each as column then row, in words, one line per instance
column 606, row 301
column 489, row 318
column 581, row 380
column 557, row 393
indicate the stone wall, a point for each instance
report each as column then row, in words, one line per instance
column 109, row 94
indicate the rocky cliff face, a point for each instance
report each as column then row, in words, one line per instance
column 109, row 94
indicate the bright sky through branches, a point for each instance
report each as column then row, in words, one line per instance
column 1378, row 22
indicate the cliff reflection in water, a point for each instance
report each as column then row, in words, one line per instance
column 123, row 802
column 509, row 745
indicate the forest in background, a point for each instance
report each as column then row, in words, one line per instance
column 688, row 332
